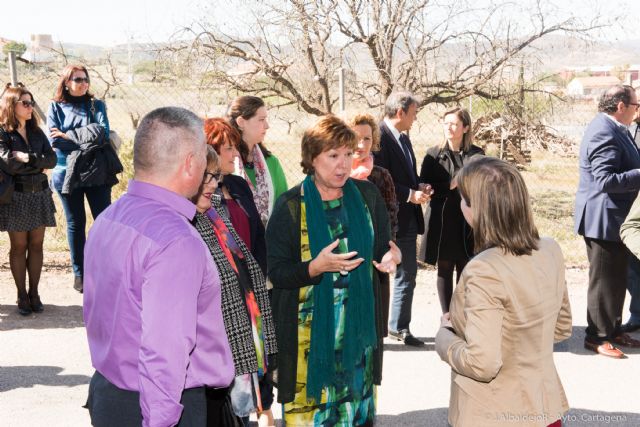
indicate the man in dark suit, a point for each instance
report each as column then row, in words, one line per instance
column 609, row 183
column 396, row 155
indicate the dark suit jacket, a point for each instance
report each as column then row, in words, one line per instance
column 405, row 179
column 241, row 193
column 609, row 179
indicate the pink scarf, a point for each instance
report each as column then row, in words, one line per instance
column 361, row 169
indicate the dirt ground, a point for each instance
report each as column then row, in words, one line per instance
column 45, row 366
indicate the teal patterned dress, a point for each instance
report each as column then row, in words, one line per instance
column 339, row 405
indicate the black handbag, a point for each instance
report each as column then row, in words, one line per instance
column 6, row 187
column 220, row 409
column 6, row 180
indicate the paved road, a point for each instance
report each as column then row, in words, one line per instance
column 45, row 366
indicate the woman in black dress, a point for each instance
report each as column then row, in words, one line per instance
column 24, row 154
column 449, row 243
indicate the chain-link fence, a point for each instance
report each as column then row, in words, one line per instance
column 541, row 132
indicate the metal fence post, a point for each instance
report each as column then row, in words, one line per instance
column 12, row 68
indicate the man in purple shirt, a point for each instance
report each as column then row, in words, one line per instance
column 151, row 289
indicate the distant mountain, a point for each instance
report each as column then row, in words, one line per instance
column 557, row 52
column 119, row 53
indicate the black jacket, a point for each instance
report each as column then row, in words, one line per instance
column 392, row 158
column 438, row 169
column 41, row 155
column 288, row 274
column 94, row 163
column 241, row 192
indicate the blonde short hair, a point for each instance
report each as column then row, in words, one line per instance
column 367, row 119
column 502, row 215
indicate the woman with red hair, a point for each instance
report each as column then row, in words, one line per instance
column 236, row 195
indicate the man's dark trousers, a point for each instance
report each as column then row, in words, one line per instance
column 608, row 275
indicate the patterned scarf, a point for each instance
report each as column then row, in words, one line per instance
column 263, row 191
column 240, row 325
column 232, row 251
column 360, row 331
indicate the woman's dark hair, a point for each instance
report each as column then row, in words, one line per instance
column 465, row 118
column 245, row 107
column 10, row 97
column 62, row 94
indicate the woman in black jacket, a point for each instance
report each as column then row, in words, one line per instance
column 24, row 153
column 449, row 242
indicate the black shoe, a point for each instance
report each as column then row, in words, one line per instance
column 77, row 284
column 36, row 303
column 24, row 308
column 630, row 327
column 406, row 337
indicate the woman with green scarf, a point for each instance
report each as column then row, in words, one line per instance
column 324, row 239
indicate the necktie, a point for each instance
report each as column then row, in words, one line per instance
column 632, row 140
column 404, row 143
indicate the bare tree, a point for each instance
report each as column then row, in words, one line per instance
column 442, row 51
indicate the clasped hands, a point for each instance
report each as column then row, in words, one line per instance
column 20, row 156
column 327, row 261
column 422, row 195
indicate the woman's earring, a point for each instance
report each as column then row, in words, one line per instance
column 66, row 88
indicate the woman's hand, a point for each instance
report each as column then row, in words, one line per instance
column 390, row 259
column 445, row 321
column 328, row 261
column 55, row 133
column 20, row 156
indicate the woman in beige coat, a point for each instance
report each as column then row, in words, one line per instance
column 510, row 307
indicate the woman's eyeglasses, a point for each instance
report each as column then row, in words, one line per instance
column 208, row 177
column 27, row 104
column 80, row 79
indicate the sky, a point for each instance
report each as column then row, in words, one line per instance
column 153, row 21
column 101, row 23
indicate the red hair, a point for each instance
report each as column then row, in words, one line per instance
column 218, row 132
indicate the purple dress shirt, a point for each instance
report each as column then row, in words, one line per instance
column 152, row 302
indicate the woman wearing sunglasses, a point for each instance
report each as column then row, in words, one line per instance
column 24, row 153
column 73, row 109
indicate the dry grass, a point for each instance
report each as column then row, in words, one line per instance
column 552, row 182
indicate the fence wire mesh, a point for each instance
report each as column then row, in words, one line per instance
column 541, row 131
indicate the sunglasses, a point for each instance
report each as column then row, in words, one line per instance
column 27, row 104
column 208, row 177
column 80, row 79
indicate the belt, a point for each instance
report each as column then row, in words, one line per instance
column 30, row 183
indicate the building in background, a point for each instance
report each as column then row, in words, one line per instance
column 590, row 87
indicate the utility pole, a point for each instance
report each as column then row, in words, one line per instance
column 12, row 68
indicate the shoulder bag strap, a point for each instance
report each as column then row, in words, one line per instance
column 92, row 111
